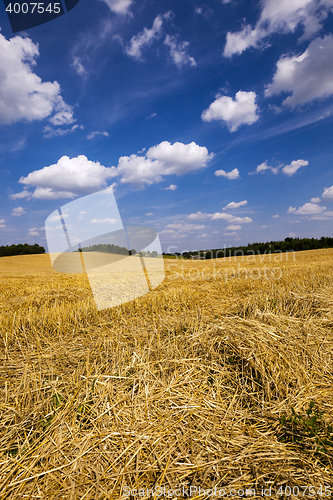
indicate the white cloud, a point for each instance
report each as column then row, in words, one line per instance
column 275, row 216
column 282, row 16
column 233, row 227
column 2, row 223
column 294, row 166
column 199, row 215
column 185, row 227
column 104, row 221
column 231, row 234
column 63, row 115
column 328, row 194
column 24, row 96
column 149, row 213
column 323, row 216
column 234, row 174
column 307, row 209
column 68, row 178
column 172, row 187
column 78, row 66
column 144, row 39
column 288, row 170
column 234, row 112
column 315, row 200
column 263, row 167
column 163, row 159
column 50, row 132
column 179, row 52
column 118, row 6
column 306, row 77
column 202, row 235
column 292, row 235
column 33, row 231
column 234, row 204
column 231, row 218
column 19, row 196
column 149, row 118
column 220, row 216
column 18, row 211
column 93, row 134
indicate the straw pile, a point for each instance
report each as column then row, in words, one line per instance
column 221, row 377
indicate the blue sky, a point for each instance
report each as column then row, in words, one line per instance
column 212, row 120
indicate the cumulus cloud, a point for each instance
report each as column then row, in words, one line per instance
column 234, row 112
column 199, row 215
column 68, row 178
column 288, row 170
column 18, row 196
column 71, row 177
column 163, row 159
column 104, row 221
column 2, row 223
column 306, row 77
column 234, row 204
column 294, row 166
column 264, row 167
column 275, row 216
column 233, row 233
column 33, row 231
column 328, row 194
column 93, row 134
column 172, row 187
column 184, row 226
column 179, row 52
column 144, row 39
column 282, row 16
column 323, row 216
column 315, row 200
column 18, row 211
column 231, row 218
column 307, row 209
column 234, row 227
column 23, row 94
column 221, row 216
column 234, row 174
column 119, row 6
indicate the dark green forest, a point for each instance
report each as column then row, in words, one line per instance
column 21, row 249
column 106, row 248
column 287, row 245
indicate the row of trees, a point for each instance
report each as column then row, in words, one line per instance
column 107, row 248
column 21, row 249
column 287, row 245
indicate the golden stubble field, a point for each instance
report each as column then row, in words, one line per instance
column 221, row 377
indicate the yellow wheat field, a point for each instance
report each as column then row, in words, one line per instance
column 193, row 385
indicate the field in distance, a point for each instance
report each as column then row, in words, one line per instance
column 221, row 376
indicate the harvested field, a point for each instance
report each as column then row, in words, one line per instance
column 221, row 377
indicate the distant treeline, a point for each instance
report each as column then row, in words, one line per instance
column 106, row 248
column 287, row 245
column 21, row 249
